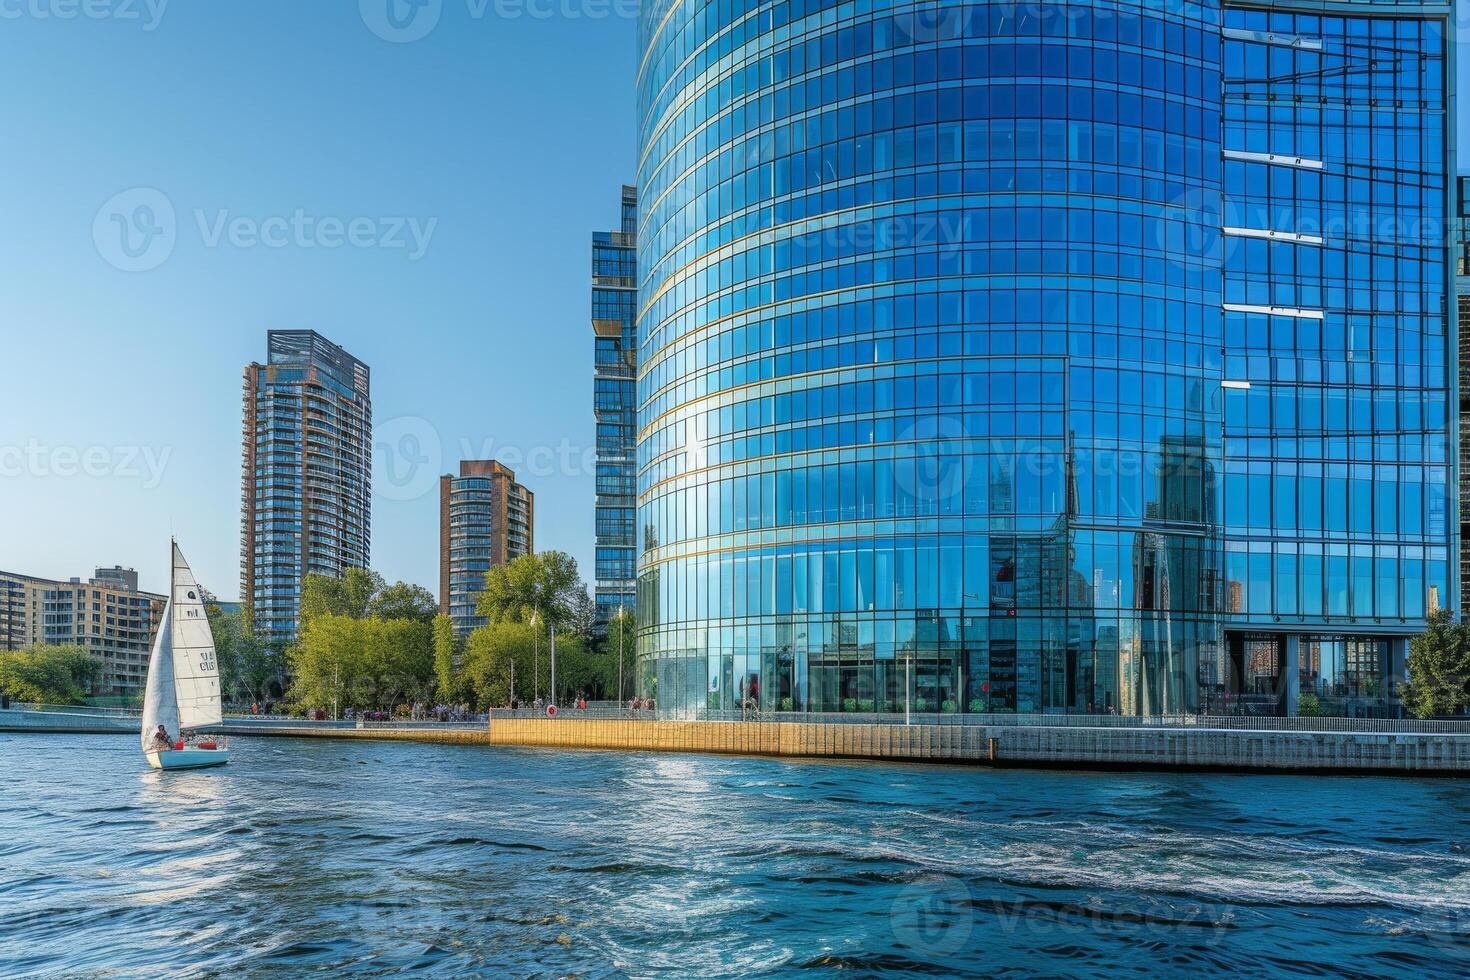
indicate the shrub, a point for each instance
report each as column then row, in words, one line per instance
column 865, row 704
column 977, row 705
column 1308, row 706
column 786, row 704
column 849, row 704
column 948, row 706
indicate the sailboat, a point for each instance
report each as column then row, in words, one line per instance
column 183, row 679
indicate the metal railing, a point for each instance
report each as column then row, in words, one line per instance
column 608, row 710
column 76, row 709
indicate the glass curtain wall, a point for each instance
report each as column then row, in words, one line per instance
column 929, row 353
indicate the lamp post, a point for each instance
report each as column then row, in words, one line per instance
column 553, row 662
column 964, row 696
column 908, row 684
column 622, row 617
column 535, row 660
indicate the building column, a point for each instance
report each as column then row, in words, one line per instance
column 1291, row 673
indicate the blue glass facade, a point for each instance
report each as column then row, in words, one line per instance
column 614, row 302
column 974, row 337
column 486, row 520
column 306, row 488
column 1462, row 290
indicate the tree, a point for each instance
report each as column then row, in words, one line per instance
column 350, row 595
column 545, row 584
column 48, row 674
column 343, row 662
column 583, row 620
column 400, row 661
column 1439, row 668
column 403, row 601
column 495, row 654
column 620, row 644
column 581, row 669
column 247, row 667
column 453, row 688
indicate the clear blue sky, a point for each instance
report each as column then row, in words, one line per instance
column 512, row 133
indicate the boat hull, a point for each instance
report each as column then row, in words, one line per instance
column 188, row 758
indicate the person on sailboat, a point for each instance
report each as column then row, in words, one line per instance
column 161, row 742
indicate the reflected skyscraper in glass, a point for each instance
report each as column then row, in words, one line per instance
column 1058, row 357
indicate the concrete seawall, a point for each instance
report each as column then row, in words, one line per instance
column 1081, row 747
column 1071, row 746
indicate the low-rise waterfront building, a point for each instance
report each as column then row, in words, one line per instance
column 107, row 615
column 486, row 519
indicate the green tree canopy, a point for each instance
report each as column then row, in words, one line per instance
column 247, row 667
column 492, row 651
column 350, row 595
column 48, row 674
column 364, row 594
column 362, row 663
column 545, row 584
column 583, row 669
column 1439, row 668
column 497, row 654
column 453, row 686
column 404, row 601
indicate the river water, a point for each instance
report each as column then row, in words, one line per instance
column 386, row 858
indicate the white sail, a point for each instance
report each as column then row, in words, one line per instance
column 195, row 667
column 160, row 702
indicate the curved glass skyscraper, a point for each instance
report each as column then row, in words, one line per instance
column 1085, row 357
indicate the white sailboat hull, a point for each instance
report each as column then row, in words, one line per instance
column 187, row 758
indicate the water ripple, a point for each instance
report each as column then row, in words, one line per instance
column 388, row 859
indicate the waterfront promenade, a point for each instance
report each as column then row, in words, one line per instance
column 1182, row 742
